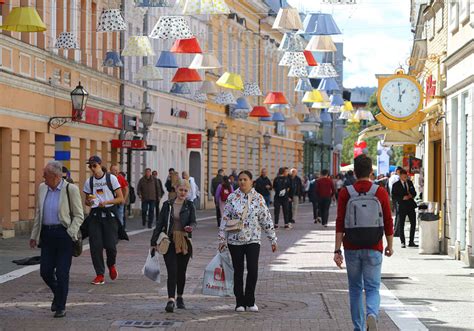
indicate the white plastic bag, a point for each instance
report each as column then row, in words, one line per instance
column 151, row 269
column 219, row 276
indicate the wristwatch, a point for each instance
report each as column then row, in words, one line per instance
column 337, row 251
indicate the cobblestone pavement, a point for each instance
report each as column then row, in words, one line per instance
column 299, row 288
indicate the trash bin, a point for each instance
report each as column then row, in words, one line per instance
column 428, row 216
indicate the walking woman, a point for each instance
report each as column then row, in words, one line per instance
column 248, row 207
column 222, row 193
column 177, row 219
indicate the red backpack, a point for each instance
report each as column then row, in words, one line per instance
column 225, row 192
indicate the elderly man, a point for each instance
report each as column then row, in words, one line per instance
column 58, row 218
column 148, row 192
column 296, row 191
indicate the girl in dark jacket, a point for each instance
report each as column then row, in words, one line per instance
column 182, row 218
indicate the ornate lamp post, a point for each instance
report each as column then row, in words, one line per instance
column 79, row 98
column 220, row 132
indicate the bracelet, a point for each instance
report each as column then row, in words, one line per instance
column 338, row 251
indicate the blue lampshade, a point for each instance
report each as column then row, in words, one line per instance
column 319, row 24
column 325, row 117
column 242, row 103
column 337, row 100
column 167, row 60
column 277, row 107
column 303, row 85
column 278, row 117
column 153, row 3
column 112, row 60
column 180, row 88
column 266, row 119
column 328, row 84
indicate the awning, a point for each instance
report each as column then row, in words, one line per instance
column 392, row 137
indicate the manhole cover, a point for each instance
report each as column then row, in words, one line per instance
column 147, row 324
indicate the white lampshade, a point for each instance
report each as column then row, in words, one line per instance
column 111, row 20
column 171, row 27
column 66, row 40
column 148, row 72
column 363, row 114
column 292, row 121
column 346, row 115
column 203, row 7
column 292, row 42
column 208, row 87
column 298, row 72
column 138, row 46
column 323, row 70
column 251, row 89
column 321, row 44
column 288, row 19
column 205, row 61
column 293, row 59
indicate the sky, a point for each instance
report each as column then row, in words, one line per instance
column 376, row 35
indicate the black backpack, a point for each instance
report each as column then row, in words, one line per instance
column 131, row 194
column 107, row 179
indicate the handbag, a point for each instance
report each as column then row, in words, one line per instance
column 163, row 241
column 235, row 225
column 76, row 244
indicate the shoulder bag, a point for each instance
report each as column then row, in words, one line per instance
column 163, row 241
column 76, row 244
column 236, row 225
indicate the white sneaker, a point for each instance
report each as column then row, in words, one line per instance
column 371, row 323
column 254, row 308
column 240, row 309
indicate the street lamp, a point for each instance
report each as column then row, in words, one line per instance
column 220, row 131
column 79, row 98
column 147, row 116
column 266, row 140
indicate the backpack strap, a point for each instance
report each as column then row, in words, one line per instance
column 71, row 215
column 373, row 189
column 109, row 183
column 91, row 184
column 352, row 191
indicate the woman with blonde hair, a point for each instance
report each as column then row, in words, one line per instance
column 177, row 219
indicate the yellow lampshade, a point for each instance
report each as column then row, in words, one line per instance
column 347, row 106
column 23, row 19
column 313, row 96
column 231, row 80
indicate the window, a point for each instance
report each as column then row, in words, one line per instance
column 230, row 63
column 453, row 17
column 430, row 28
column 255, row 61
column 439, row 20
column 239, row 53
column 219, row 50
column 246, row 63
column 463, row 11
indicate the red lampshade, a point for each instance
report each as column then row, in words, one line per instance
column 186, row 75
column 273, row 98
column 190, row 45
column 259, row 111
column 310, row 58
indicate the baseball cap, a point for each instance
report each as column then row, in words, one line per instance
column 94, row 159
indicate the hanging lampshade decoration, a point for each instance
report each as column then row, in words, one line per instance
column 287, row 19
column 325, row 96
column 242, row 103
column 66, row 40
column 323, row 70
column 319, row 24
column 279, row 107
column 180, row 88
column 292, row 42
column 293, row 59
column 334, row 109
column 23, row 19
column 205, row 61
column 346, row 115
column 320, row 105
column 266, row 119
column 148, row 72
column 347, row 106
column 190, row 45
column 364, row 115
column 231, row 80
column 325, row 117
column 225, row 98
column 171, row 27
column 328, row 84
column 111, row 20
column 260, row 111
column 292, row 121
column 208, row 87
column 167, row 60
column 138, row 46
column 199, row 97
column 112, row 60
column 203, row 7
column 298, row 72
column 310, row 58
column 275, row 98
column 186, row 75
column 251, row 89
column 303, row 85
column 321, row 44
column 313, row 96
column 337, row 100
column 153, row 3
column 301, row 109
column 278, row 117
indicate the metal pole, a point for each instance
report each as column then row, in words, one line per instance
column 209, row 167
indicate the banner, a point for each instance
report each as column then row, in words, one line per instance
column 359, row 148
column 415, row 165
column 383, row 159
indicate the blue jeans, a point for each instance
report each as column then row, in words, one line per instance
column 120, row 213
column 364, row 267
column 267, row 200
column 148, row 207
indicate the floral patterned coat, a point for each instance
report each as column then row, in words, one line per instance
column 258, row 218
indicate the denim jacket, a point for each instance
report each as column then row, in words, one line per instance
column 187, row 217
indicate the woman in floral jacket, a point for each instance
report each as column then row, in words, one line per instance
column 249, row 206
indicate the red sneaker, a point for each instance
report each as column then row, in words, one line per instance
column 113, row 273
column 98, row 280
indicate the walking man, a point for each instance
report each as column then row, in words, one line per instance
column 363, row 247
column 114, row 170
column 148, row 192
column 103, row 195
column 160, row 190
column 403, row 192
column 58, row 217
column 214, row 184
column 296, row 191
column 325, row 190
column 392, row 180
column 263, row 185
column 281, row 185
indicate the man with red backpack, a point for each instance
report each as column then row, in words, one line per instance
column 363, row 216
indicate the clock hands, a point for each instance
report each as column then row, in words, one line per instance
column 399, row 93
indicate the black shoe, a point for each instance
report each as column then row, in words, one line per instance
column 60, row 313
column 180, row 303
column 170, row 306
column 54, row 306
column 412, row 245
column 292, row 221
column 404, row 246
column 276, row 226
column 149, row 226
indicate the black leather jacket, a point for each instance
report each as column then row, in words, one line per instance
column 187, row 217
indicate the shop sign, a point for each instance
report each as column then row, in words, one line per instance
column 430, row 89
column 193, row 140
column 134, row 144
column 102, row 118
column 415, row 165
column 179, row 113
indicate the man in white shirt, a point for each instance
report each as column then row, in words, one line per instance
column 392, row 180
column 103, row 195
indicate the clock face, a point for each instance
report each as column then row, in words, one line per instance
column 400, row 97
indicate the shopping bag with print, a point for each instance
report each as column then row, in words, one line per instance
column 151, row 269
column 219, row 276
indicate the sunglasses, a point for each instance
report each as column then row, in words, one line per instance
column 95, row 165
